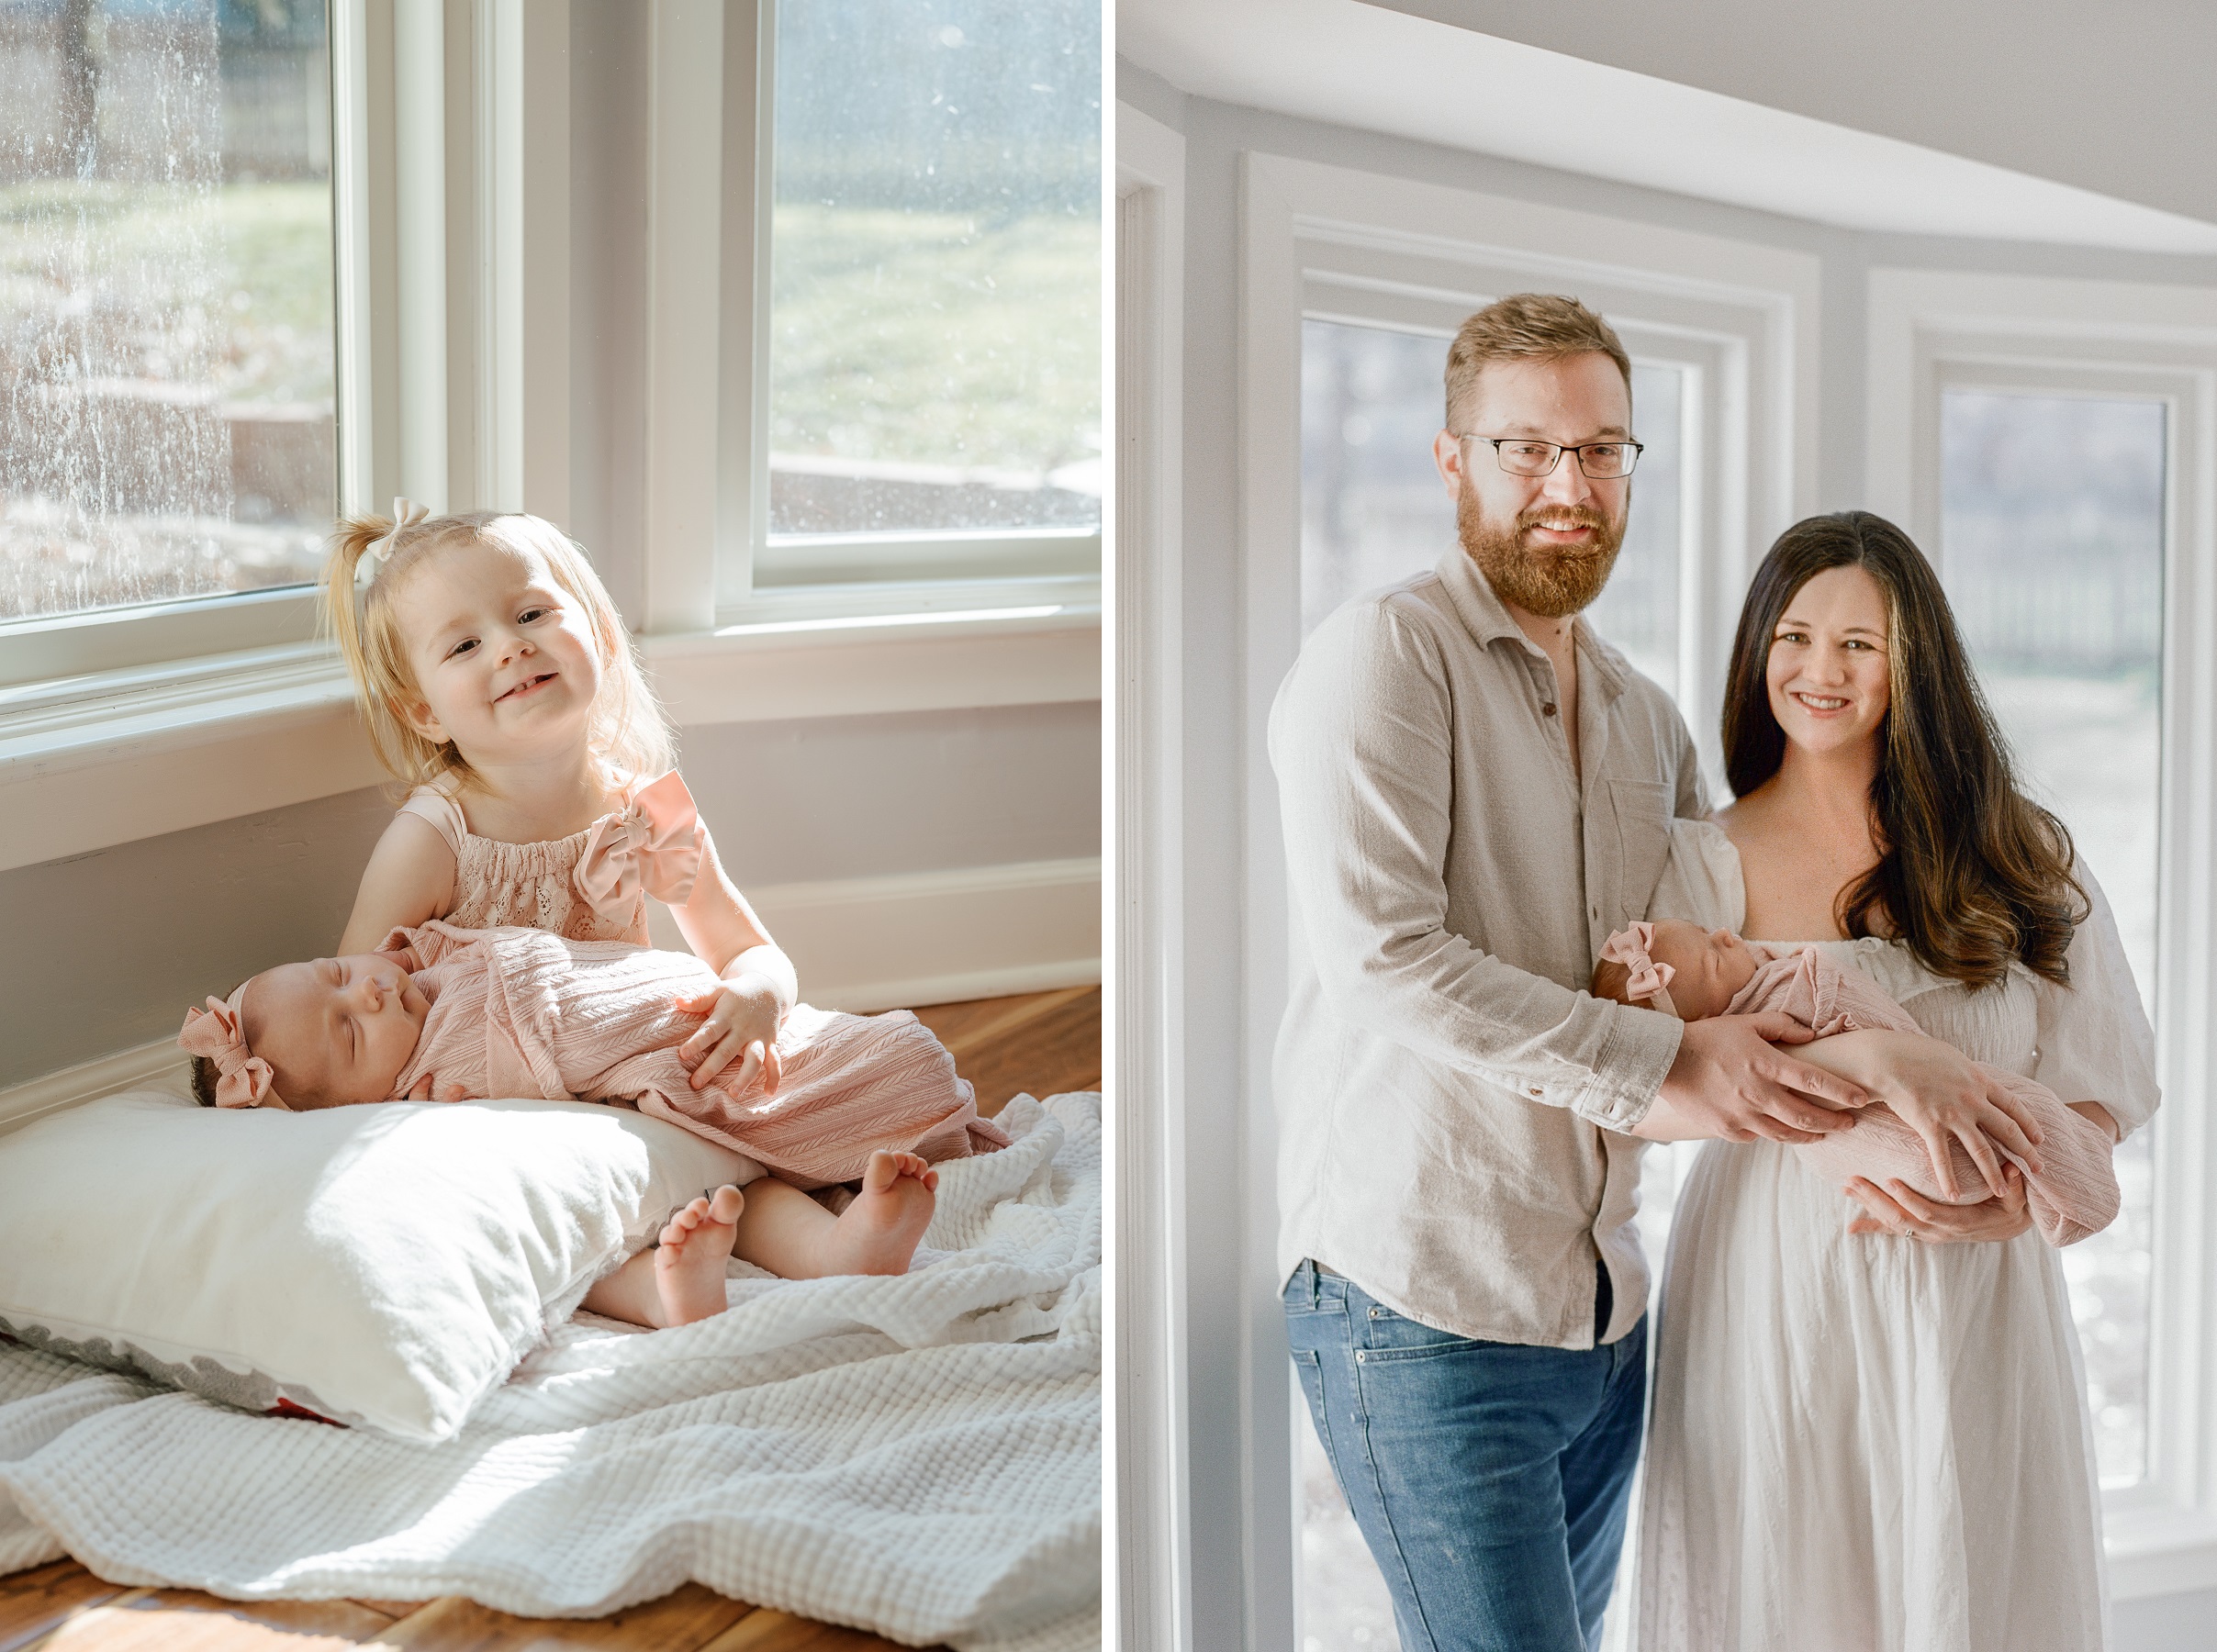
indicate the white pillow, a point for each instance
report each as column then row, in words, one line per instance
column 384, row 1265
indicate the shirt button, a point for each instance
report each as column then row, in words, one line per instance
column 1358, row 1356
column 1548, row 709
column 1537, row 1091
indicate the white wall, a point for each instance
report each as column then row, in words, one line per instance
column 1215, row 135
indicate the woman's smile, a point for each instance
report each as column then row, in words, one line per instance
column 1820, row 704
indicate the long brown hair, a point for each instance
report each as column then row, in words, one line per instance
column 1970, row 872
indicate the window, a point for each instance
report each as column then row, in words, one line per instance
column 933, row 357
column 2052, row 550
column 2049, row 442
column 166, row 301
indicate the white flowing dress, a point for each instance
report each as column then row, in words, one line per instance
column 1869, row 1444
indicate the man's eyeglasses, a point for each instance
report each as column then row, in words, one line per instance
column 1601, row 461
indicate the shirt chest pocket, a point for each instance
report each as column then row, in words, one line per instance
column 1642, row 811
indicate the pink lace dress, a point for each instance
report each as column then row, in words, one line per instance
column 589, row 885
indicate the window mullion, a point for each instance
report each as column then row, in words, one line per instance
column 749, row 126
column 352, row 289
column 684, row 314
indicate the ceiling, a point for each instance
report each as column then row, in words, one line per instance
column 1378, row 67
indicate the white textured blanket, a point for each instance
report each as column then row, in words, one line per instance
column 920, row 1455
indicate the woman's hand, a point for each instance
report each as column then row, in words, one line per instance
column 1941, row 1094
column 742, row 1026
column 1901, row 1210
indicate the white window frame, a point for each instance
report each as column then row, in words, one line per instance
column 1325, row 241
column 758, row 577
column 451, row 188
column 1149, row 1604
column 1931, row 330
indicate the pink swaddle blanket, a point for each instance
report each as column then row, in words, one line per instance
column 2075, row 1193
column 522, row 1013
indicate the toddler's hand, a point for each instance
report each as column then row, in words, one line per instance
column 742, row 1026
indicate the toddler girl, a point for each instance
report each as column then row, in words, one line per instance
column 443, row 1014
column 1692, row 972
column 495, row 679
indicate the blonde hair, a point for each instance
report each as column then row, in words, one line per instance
column 629, row 733
column 1526, row 325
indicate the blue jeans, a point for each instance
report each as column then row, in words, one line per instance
column 1489, row 1479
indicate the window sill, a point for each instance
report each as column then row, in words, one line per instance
column 773, row 661
column 2159, row 1551
column 90, row 761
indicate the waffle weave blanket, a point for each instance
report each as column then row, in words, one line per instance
column 917, row 1456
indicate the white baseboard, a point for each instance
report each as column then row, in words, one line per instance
column 157, row 1066
column 868, row 944
column 860, row 945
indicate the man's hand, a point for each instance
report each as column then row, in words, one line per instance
column 1729, row 1082
column 1898, row 1209
column 742, row 1026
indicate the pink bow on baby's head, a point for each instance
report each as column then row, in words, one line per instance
column 1650, row 981
column 655, row 842
column 217, row 1032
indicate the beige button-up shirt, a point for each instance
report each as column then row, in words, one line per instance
column 1448, row 1096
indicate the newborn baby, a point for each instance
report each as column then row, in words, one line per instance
column 448, row 1014
column 1692, row 972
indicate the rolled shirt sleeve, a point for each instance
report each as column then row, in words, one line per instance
column 1364, row 743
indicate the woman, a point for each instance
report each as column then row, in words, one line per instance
column 1862, row 1441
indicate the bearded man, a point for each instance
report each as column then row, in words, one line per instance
column 1476, row 791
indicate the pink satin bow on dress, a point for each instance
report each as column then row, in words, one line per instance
column 1650, row 981
column 245, row 1078
column 655, row 844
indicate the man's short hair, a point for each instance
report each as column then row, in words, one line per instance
column 1526, row 325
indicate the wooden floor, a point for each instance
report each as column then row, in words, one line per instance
column 1041, row 1043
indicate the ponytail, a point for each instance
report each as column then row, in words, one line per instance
column 359, row 619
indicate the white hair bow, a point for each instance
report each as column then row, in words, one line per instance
column 407, row 513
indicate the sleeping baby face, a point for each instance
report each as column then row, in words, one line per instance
column 335, row 1030
column 1712, row 967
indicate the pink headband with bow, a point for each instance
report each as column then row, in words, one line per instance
column 1650, row 981
column 217, row 1034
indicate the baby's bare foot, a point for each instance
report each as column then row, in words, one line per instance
column 689, row 1263
column 880, row 1230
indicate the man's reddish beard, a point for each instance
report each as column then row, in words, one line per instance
column 1537, row 578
